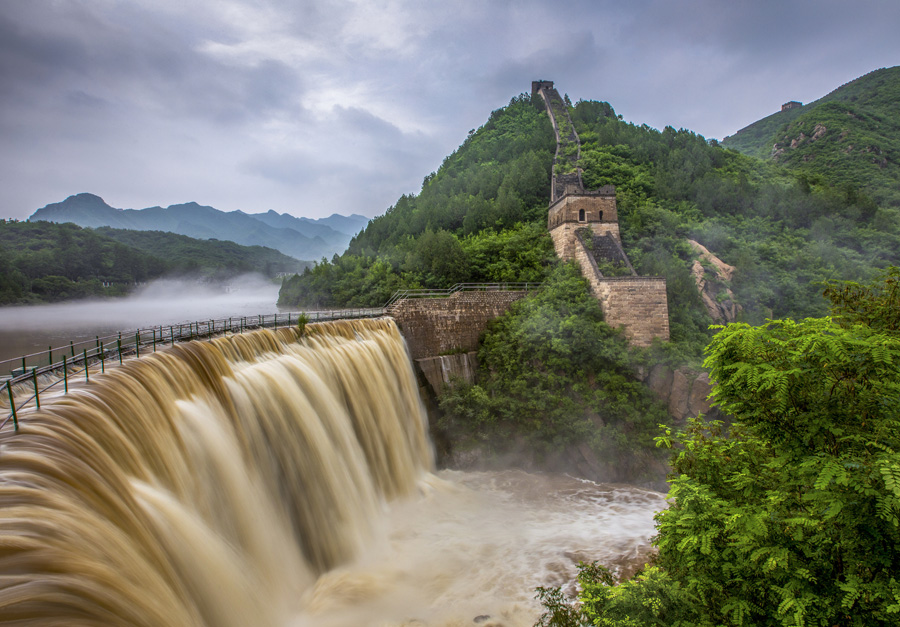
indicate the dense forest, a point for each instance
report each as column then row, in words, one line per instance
column 48, row 262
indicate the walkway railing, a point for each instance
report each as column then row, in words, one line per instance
column 459, row 287
column 38, row 373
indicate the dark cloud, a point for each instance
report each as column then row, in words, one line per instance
column 314, row 107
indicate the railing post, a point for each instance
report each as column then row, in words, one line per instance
column 154, row 340
column 72, row 347
column 137, row 345
column 50, row 355
column 65, row 374
column 24, row 368
column 37, row 398
column 12, row 403
column 119, row 341
column 102, row 358
column 87, row 376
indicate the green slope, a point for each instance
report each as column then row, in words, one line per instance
column 48, row 262
column 482, row 217
column 849, row 138
column 186, row 255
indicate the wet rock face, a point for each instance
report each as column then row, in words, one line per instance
column 685, row 391
column 713, row 277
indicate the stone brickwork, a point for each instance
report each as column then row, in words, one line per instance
column 585, row 208
column 637, row 304
column 564, row 237
column 435, row 326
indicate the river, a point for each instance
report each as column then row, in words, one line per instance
column 283, row 481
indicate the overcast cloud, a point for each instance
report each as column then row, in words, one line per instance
column 312, row 107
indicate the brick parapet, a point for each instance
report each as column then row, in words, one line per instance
column 436, row 326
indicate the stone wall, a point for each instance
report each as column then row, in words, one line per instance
column 638, row 304
column 435, row 326
column 597, row 208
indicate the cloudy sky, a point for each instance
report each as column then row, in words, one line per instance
column 318, row 106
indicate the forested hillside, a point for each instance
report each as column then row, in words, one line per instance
column 47, row 262
column 850, row 138
column 482, row 217
column 213, row 259
column 478, row 218
column 301, row 238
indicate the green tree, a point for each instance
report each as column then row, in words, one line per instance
column 792, row 516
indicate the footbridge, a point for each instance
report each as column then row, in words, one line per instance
column 440, row 327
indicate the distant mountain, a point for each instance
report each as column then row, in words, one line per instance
column 850, row 138
column 322, row 227
column 296, row 237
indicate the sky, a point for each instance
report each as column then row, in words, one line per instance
column 314, row 107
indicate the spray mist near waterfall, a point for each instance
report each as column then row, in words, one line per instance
column 274, row 479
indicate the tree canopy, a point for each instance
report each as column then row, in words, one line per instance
column 791, row 515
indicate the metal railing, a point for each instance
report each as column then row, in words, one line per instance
column 460, row 287
column 59, row 366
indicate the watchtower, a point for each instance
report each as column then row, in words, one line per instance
column 577, row 209
column 537, row 86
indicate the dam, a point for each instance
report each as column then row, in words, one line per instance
column 281, row 477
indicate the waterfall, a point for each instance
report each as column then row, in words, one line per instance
column 210, row 484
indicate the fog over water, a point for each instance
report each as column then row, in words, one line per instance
column 29, row 329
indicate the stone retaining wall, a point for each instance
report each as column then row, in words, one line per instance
column 637, row 304
column 436, row 326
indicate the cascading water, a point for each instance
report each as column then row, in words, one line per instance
column 272, row 479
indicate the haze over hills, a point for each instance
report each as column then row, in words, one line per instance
column 43, row 261
column 301, row 238
column 850, row 137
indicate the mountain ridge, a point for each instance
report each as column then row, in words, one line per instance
column 301, row 238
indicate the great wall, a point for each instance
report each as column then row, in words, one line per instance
column 442, row 330
column 584, row 226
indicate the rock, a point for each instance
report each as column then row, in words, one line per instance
column 660, row 381
column 482, row 618
column 712, row 285
column 697, row 401
column 678, row 396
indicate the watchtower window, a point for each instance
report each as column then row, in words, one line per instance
column 581, row 215
column 601, row 216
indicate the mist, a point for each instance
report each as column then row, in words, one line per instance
column 29, row 329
